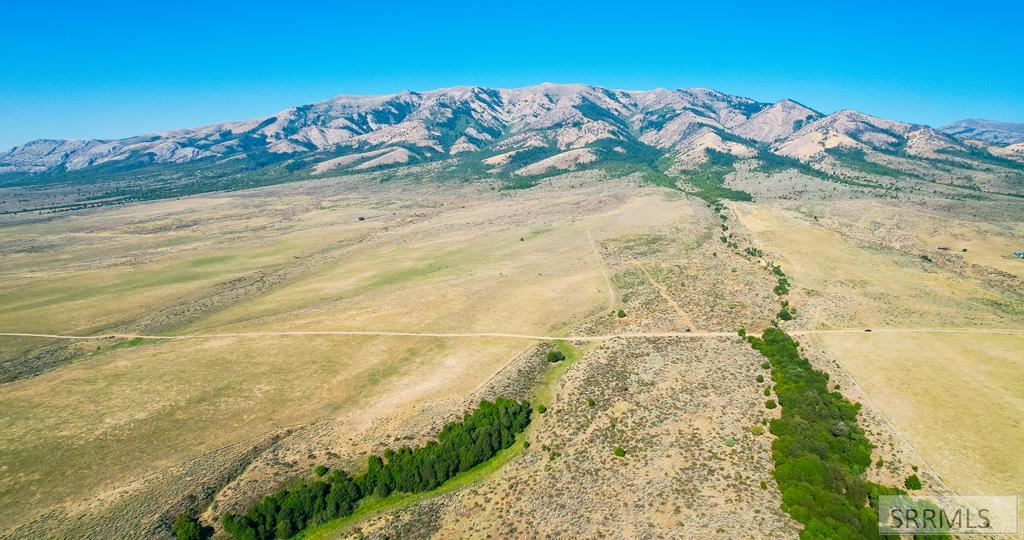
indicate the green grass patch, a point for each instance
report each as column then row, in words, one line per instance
column 125, row 344
column 407, row 274
column 534, row 233
column 210, row 261
column 545, row 389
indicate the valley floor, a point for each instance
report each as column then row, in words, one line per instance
column 234, row 341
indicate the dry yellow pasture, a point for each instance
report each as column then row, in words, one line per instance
column 957, row 398
column 840, row 282
column 80, row 438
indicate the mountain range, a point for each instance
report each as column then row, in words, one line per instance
column 522, row 132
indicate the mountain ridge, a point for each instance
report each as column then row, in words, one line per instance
column 349, row 119
column 512, row 132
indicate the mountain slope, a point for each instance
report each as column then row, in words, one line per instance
column 851, row 129
column 779, row 120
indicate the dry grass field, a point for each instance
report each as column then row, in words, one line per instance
column 956, row 398
column 111, row 437
column 843, row 282
column 111, row 418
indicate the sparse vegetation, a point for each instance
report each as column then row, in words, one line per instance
column 688, row 283
column 708, row 179
column 856, row 158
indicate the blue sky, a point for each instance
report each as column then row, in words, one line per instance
column 106, row 69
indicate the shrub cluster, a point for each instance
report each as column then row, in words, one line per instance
column 556, row 356
column 186, row 528
column 459, row 447
column 782, row 287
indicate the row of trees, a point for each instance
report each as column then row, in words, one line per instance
column 459, row 447
column 820, row 451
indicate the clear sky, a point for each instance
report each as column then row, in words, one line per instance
column 103, row 70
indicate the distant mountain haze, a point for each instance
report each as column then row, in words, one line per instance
column 991, row 131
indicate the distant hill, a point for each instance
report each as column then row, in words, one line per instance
column 990, row 131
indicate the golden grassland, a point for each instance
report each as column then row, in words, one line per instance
column 958, row 400
column 270, row 260
column 109, row 421
column 843, row 282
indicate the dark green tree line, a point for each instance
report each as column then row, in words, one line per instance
column 459, row 447
column 821, row 452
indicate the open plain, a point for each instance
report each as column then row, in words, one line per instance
column 452, row 293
